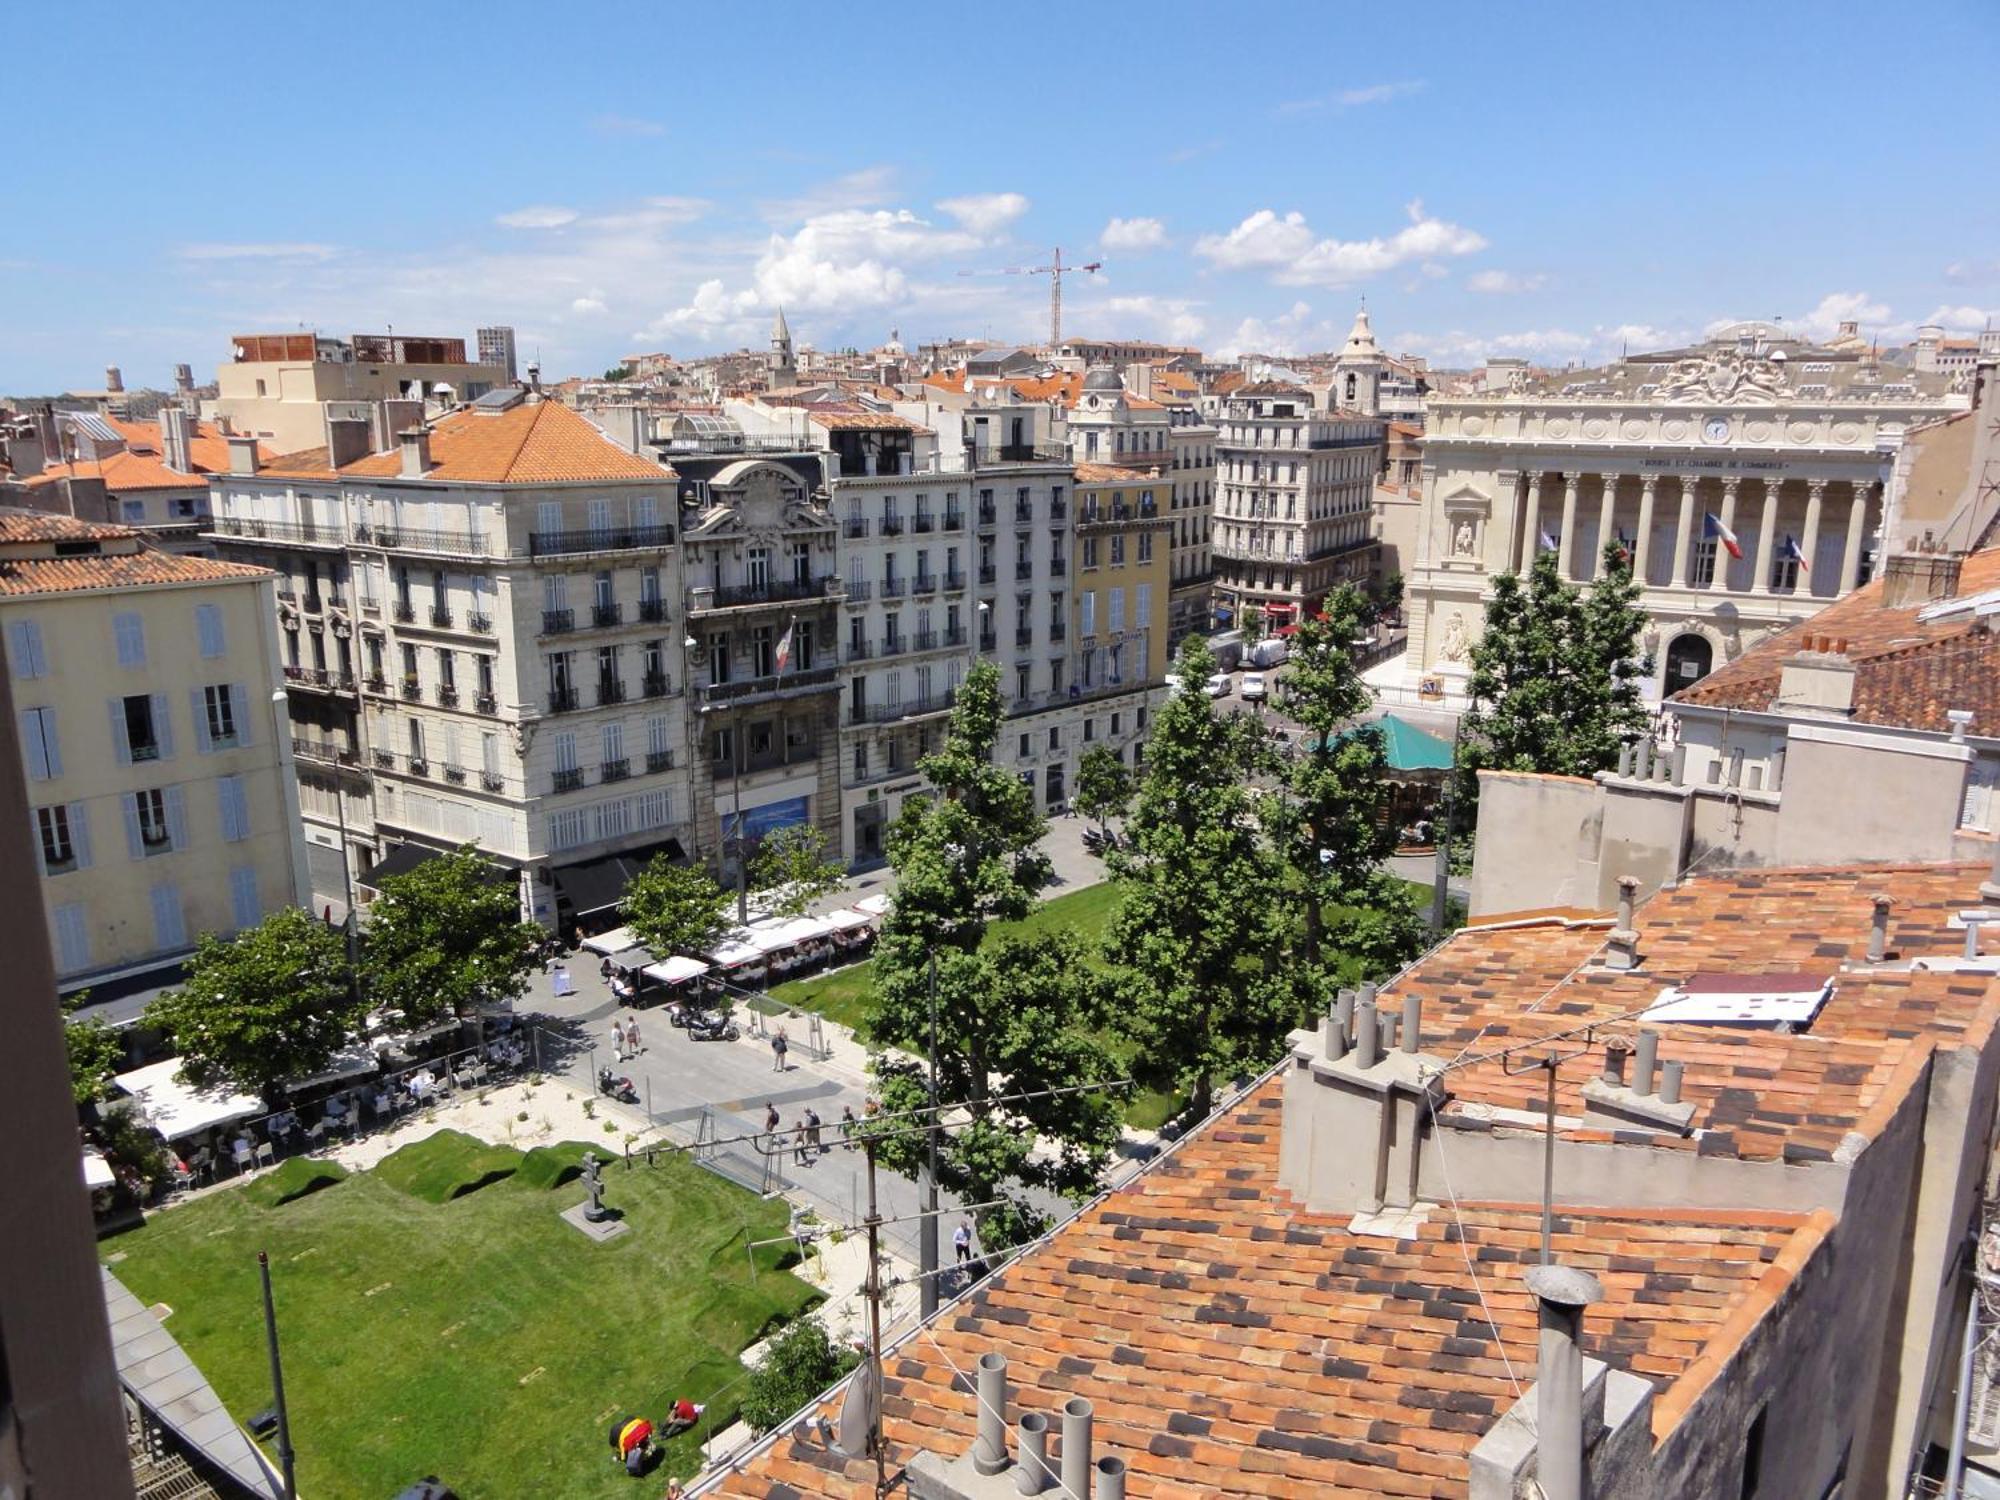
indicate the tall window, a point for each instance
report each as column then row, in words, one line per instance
column 58, row 847
column 234, row 808
column 757, row 568
column 141, row 720
column 129, row 631
column 208, row 630
column 244, row 907
column 38, row 743
column 24, row 646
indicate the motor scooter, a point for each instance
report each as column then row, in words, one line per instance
column 617, row 1088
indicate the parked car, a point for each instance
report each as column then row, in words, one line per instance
column 1218, row 685
column 1253, row 687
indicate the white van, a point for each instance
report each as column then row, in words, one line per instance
column 1272, row 651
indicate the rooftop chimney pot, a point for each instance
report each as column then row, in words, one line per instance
column 1343, row 1006
column 989, row 1451
column 1413, row 1022
column 1110, row 1478
column 1642, row 763
column 1625, row 759
column 416, row 442
column 1621, row 946
column 1670, row 1081
column 1333, row 1038
column 1878, row 929
column 1616, row 1050
column 1561, row 1295
column 1647, row 1061
column 1031, row 1438
column 1367, row 1036
column 1076, row 1446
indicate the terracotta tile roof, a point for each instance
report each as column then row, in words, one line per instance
column 863, row 421
column 1061, row 387
column 947, row 380
column 19, row 524
column 142, row 467
column 128, row 563
column 1087, row 473
column 538, row 443
column 1229, row 382
column 1908, row 672
column 1235, row 1344
column 1757, row 1094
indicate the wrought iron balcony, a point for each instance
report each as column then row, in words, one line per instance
column 895, row 645
column 892, row 526
column 491, row 781
column 923, row 524
column 924, row 583
column 420, row 539
column 853, row 527
column 772, row 591
column 859, row 590
column 481, row 623
column 988, row 573
column 610, row 690
column 441, row 616
column 417, row 767
column 893, row 588
column 1058, row 630
column 659, row 760
column 404, row 611
column 923, row 640
column 562, row 700
column 567, row 781
column 988, row 514
column 1058, row 508
column 454, row 774
column 606, row 614
column 385, row 760
column 1020, row 453
column 558, row 621
column 655, row 685
column 327, row 679
column 858, row 650
column 1058, row 566
column 614, row 770
column 447, row 695
column 413, row 689
column 486, row 703
column 377, row 683
column 304, row 532
column 954, row 520
column 326, row 752
column 989, row 642
column 652, row 611
column 954, row 635
column 1024, row 635
column 954, row 580
column 779, row 684
column 598, row 539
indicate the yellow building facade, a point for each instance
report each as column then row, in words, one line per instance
column 149, row 705
column 1124, row 579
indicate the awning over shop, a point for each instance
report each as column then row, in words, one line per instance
column 596, row 885
column 1407, row 748
column 177, row 1109
column 847, row 921
column 875, row 906
column 676, row 970
column 96, row 1171
column 617, row 940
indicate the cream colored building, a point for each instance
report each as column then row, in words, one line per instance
column 148, row 702
column 277, row 386
column 1787, row 446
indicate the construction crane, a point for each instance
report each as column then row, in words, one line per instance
column 1054, row 271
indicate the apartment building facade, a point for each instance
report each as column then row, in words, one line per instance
column 483, row 641
column 1294, row 513
column 159, row 781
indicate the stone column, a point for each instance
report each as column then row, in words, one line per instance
column 1607, row 519
column 1720, row 581
column 1767, row 537
column 1684, row 533
column 1857, row 532
column 1643, row 547
column 1531, row 520
column 1566, row 552
column 1809, row 543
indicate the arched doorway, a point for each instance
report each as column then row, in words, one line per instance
column 1690, row 658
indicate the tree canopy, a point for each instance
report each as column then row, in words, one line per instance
column 674, row 908
column 446, row 937
column 271, row 1004
column 799, row 1362
column 1103, row 785
column 95, row 1054
column 793, row 868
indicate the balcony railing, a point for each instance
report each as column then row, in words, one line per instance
column 385, row 760
column 954, row 579
column 923, row 640
column 417, row 767
column 659, row 760
column 989, row 642
column 447, row 695
column 1024, row 635
column 420, row 539
column 454, row 774
column 486, row 703
column 330, row 679
column 923, row 525
column 954, row 635
column 481, row 623
column 1058, row 508
column 614, row 770
column 377, row 683
column 1058, row 630
column 652, row 611
column 567, row 781
column 1020, row 453
column 853, row 527
column 954, row 520
column 327, row 752
column 893, row 588
column 924, row 583
column 492, row 781
column 773, row 591
column 413, row 689
column 598, row 539
column 858, row 650
column 404, row 611
column 895, row 645
column 606, row 614
column 988, row 573
column 911, row 708
column 892, row 526
column 277, row 531
column 988, row 514
column 562, row 700
column 655, row 685
column 1024, row 513
column 441, row 617
column 610, row 690
column 859, row 590
column 558, row 621
column 315, row 604
column 753, row 687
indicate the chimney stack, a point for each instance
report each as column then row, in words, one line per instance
column 1561, row 1295
column 1076, row 1447
column 1413, row 1022
column 1031, row 1438
column 416, row 443
column 989, row 1450
column 1878, row 929
column 114, row 381
column 1367, row 1033
column 1648, row 1060
column 1622, row 946
column 346, row 438
column 184, row 379
column 1110, row 1478
column 175, row 445
column 242, row 454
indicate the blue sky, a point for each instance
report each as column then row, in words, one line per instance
column 1542, row 179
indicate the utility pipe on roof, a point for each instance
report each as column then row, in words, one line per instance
column 1561, row 1295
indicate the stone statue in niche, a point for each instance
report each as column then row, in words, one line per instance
column 1452, row 646
column 1461, row 540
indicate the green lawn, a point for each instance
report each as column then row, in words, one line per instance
column 478, row 1338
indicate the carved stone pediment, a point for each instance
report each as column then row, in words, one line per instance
column 1732, row 378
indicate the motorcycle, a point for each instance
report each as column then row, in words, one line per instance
column 712, row 1028
column 617, row 1088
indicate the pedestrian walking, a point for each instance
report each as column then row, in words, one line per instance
column 812, row 1131
column 961, row 1241
column 847, row 1125
column 633, row 1041
column 799, row 1143
column 780, row 1044
column 770, row 1117
column 618, row 1038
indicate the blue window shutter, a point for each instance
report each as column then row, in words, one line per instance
column 121, row 742
column 24, row 643
column 35, row 838
column 177, row 828
column 130, row 633
column 208, row 626
column 243, row 896
column 239, row 704
column 31, row 745
column 134, row 839
column 163, row 726
column 198, row 708
column 51, row 744
column 79, row 833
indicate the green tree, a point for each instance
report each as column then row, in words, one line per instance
column 1328, row 823
column 792, row 869
column 675, row 908
column 1103, row 785
column 618, row 372
column 271, row 1004
column 446, row 937
column 95, row 1053
column 1197, row 924
column 796, row 1365
column 1017, row 1018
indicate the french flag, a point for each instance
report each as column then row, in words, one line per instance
column 1712, row 530
column 1791, row 553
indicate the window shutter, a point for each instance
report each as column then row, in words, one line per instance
column 72, row 938
column 79, row 833
column 130, row 634
column 25, row 644
column 239, row 706
column 208, row 626
column 168, row 929
column 121, row 742
column 177, row 829
column 32, row 746
column 35, row 837
column 163, row 726
column 198, row 710
column 243, row 896
column 134, row 840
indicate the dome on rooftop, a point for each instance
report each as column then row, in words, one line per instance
column 1102, row 378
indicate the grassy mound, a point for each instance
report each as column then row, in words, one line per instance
column 295, row 1179
column 447, row 1165
column 551, row 1166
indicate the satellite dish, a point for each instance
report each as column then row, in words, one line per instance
column 859, row 1413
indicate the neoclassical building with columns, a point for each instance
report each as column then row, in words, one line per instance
column 1790, row 447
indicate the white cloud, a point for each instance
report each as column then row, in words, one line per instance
column 272, row 251
column 538, row 216
column 1354, row 98
column 1973, row 272
column 1824, row 321
column 867, row 188
column 1506, row 283
column 1291, row 332
column 985, row 213
column 626, row 125
column 1133, row 236
column 1963, row 318
column 1289, row 250
column 651, row 213
column 1171, row 320
column 589, row 306
column 1459, row 349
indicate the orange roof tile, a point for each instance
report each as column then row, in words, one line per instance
column 127, row 562
column 1235, row 1344
column 863, row 421
column 141, row 466
column 1088, row 473
column 538, row 443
